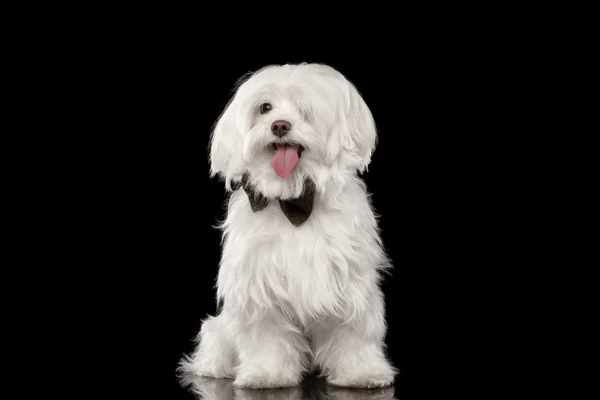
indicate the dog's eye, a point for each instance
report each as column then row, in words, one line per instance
column 306, row 114
column 265, row 108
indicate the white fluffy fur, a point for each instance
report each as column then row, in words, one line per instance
column 297, row 297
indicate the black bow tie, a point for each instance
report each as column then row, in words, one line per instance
column 296, row 210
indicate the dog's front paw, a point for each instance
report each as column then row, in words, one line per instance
column 363, row 380
column 265, row 380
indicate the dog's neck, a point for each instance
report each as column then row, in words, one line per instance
column 296, row 210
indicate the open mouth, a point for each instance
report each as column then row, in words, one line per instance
column 285, row 158
column 273, row 146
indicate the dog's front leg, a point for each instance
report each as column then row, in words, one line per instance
column 350, row 351
column 272, row 353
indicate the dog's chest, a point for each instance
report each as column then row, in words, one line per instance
column 289, row 251
column 303, row 266
column 315, row 268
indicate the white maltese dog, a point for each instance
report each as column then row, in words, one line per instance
column 298, row 283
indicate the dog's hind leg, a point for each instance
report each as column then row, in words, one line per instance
column 215, row 355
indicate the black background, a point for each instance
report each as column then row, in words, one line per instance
column 122, row 205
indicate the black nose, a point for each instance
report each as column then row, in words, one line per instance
column 281, row 127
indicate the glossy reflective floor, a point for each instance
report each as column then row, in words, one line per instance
column 312, row 389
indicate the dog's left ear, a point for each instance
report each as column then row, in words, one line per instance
column 359, row 133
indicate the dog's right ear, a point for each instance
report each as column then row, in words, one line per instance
column 227, row 139
column 226, row 145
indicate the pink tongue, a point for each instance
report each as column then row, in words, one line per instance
column 285, row 159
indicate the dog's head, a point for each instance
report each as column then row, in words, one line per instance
column 286, row 123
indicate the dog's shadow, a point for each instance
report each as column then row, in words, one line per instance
column 312, row 388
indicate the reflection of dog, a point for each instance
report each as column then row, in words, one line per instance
column 222, row 389
column 302, row 256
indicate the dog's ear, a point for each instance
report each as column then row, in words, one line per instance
column 227, row 139
column 226, row 145
column 359, row 137
column 354, row 130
